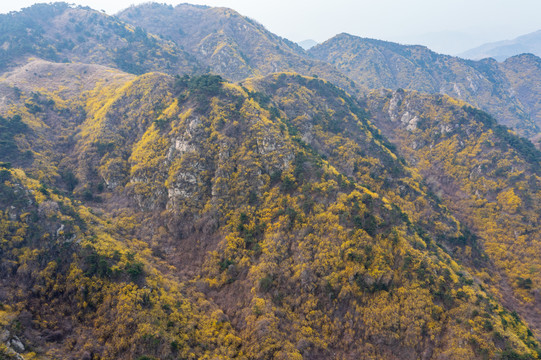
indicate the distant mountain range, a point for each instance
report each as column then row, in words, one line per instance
column 61, row 33
column 501, row 50
column 307, row 44
column 196, row 39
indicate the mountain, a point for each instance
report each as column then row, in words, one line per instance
column 63, row 33
column 165, row 212
column 486, row 84
column 307, row 44
column 501, row 50
column 229, row 44
column 162, row 217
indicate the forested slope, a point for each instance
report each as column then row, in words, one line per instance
column 205, row 219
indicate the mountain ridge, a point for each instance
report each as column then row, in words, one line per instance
column 502, row 50
column 487, row 84
column 223, row 36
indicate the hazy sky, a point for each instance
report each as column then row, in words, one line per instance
column 444, row 25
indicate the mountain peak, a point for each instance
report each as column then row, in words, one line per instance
column 307, row 44
column 524, row 57
column 230, row 44
column 354, row 40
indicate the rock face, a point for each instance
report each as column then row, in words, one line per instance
column 524, row 75
column 17, row 345
column 502, row 89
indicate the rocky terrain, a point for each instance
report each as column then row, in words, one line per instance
column 498, row 88
column 164, row 211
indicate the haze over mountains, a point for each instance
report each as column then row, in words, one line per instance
column 445, row 42
column 307, row 44
column 178, row 182
column 501, row 50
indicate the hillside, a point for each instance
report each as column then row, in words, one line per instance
column 501, row 50
column 231, row 45
column 206, row 219
column 75, row 286
column 63, row 33
column 524, row 75
column 375, row 64
column 485, row 174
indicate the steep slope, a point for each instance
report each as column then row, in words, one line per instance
column 375, row 64
column 230, row 44
column 501, row 50
column 524, row 75
column 285, row 236
column 63, row 33
column 483, row 172
column 75, row 286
